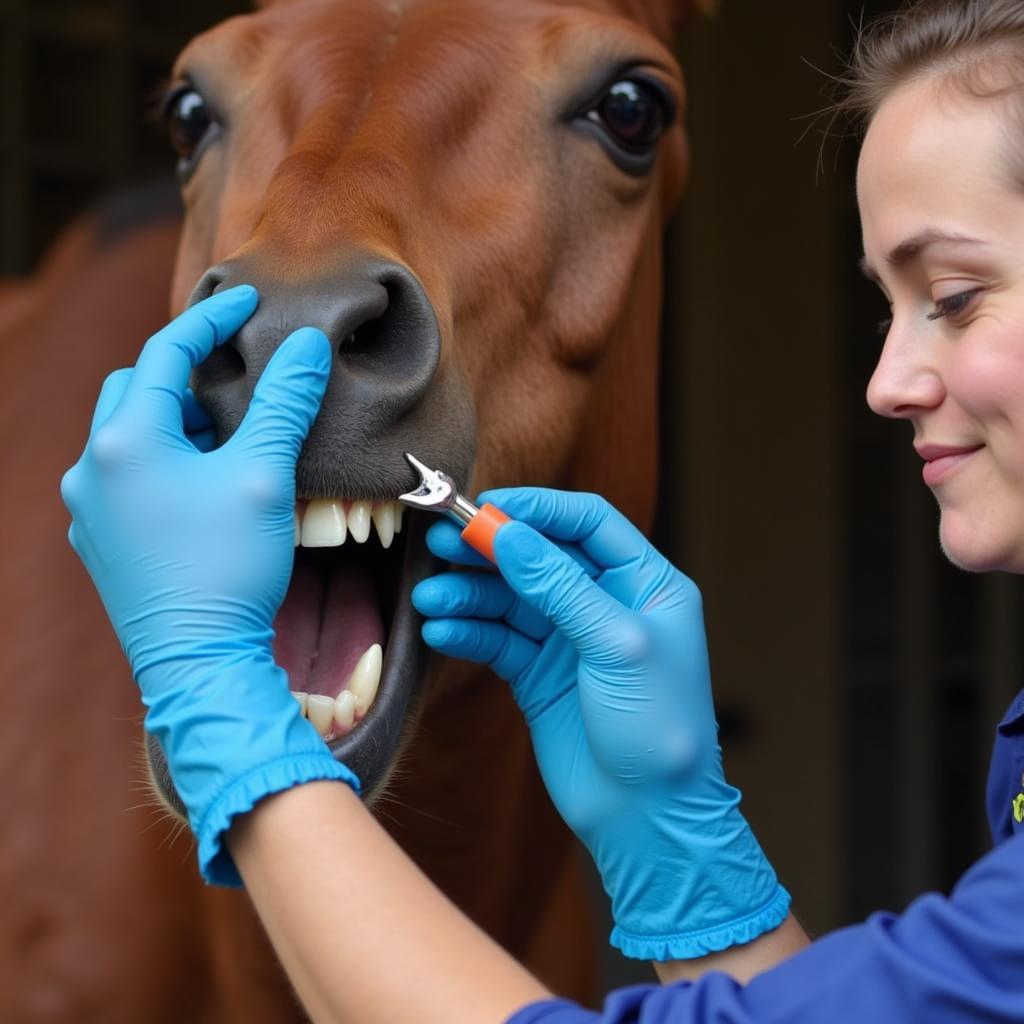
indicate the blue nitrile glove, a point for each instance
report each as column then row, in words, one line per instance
column 191, row 551
column 612, row 676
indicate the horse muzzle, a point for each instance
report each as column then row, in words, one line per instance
column 346, row 634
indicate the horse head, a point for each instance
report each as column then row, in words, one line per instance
column 468, row 197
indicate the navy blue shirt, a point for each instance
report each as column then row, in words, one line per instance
column 945, row 960
column 1006, row 775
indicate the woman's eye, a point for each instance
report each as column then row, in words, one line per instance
column 953, row 305
column 189, row 121
column 634, row 113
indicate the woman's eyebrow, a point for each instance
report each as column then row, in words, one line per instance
column 909, row 250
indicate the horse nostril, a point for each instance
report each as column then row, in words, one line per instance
column 399, row 340
column 224, row 365
column 367, row 339
column 212, row 281
column 379, row 320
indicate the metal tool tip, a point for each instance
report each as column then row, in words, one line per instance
column 416, row 464
column 435, row 490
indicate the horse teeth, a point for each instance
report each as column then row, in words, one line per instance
column 320, row 712
column 324, row 524
column 333, row 717
column 359, row 521
column 384, row 520
column 365, row 679
column 344, row 713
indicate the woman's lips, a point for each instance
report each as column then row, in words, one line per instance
column 940, row 461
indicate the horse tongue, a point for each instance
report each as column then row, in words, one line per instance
column 351, row 625
column 321, row 631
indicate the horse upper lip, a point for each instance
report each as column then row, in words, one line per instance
column 931, row 452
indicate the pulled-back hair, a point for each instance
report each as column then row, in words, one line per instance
column 976, row 45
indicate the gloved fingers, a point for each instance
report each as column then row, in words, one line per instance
column 73, row 481
column 199, row 428
column 543, row 575
column 445, row 540
column 631, row 569
column 287, row 396
column 505, row 651
column 653, row 586
column 168, row 358
column 478, row 596
column 111, row 393
column 605, row 535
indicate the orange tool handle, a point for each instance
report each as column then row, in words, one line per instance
column 479, row 534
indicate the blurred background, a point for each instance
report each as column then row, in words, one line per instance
column 859, row 677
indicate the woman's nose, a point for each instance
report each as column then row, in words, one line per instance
column 907, row 379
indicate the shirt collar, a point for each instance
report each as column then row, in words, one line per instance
column 1015, row 713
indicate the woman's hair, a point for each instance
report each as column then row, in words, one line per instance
column 975, row 45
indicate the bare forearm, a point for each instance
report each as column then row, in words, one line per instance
column 360, row 930
column 741, row 962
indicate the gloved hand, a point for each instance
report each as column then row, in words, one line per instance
column 612, row 676
column 191, row 551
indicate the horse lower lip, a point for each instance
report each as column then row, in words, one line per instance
column 370, row 750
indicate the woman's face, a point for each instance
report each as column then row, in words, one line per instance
column 943, row 230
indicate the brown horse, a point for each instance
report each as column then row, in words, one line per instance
column 468, row 196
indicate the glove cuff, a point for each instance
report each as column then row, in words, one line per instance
column 702, row 941
column 215, row 863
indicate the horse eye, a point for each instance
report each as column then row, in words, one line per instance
column 634, row 113
column 188, row 122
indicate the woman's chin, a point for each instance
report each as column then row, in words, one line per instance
column 975, row 550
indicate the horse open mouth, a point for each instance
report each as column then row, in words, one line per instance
column 346, row 633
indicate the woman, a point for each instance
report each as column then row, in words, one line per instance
column 611, row 673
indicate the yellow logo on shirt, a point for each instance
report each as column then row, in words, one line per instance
column 1018, row 808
